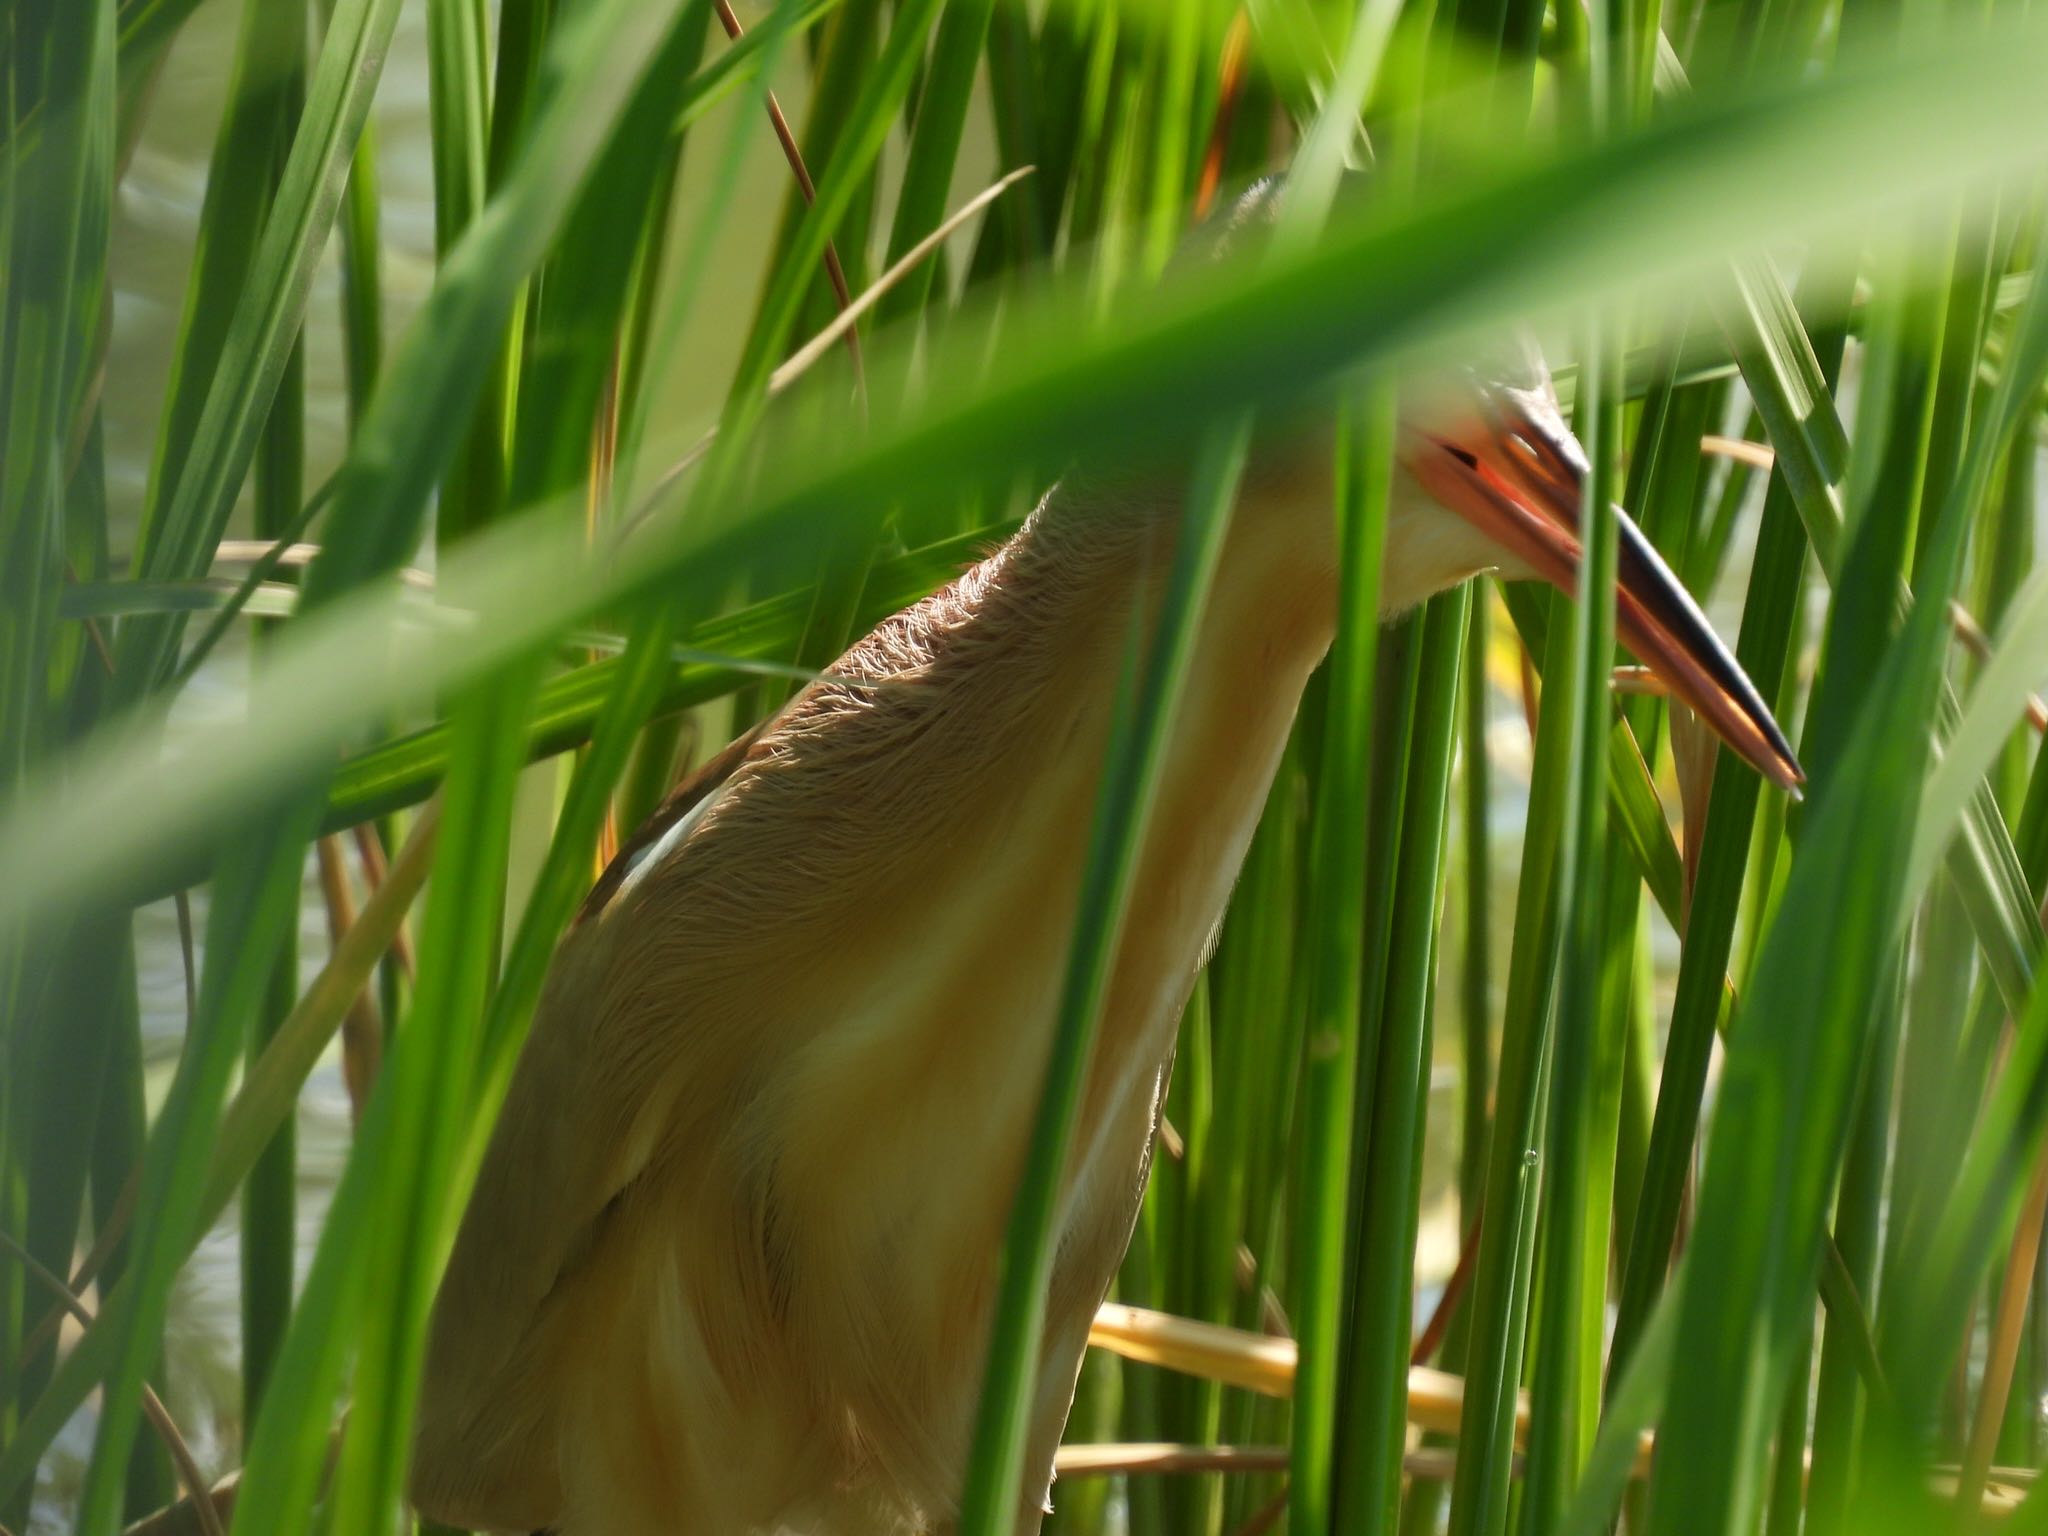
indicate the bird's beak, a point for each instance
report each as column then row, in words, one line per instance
column 1513, row 470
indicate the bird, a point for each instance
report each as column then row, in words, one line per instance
column 729, row 1263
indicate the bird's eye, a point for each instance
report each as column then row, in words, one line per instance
column 1463, row 457
column 1541, row 457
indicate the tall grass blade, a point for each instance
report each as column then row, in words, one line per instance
column 261, row 334
column 992, row 1496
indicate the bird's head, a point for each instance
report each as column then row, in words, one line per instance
column 1489, row 477
column 1502, row 480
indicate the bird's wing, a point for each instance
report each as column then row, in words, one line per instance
column 585, row 1116
column 695, row 790
column 484, row 1451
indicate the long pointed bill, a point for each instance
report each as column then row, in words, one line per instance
column 1517, row 478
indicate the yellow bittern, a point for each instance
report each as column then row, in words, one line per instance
column 729, row 1264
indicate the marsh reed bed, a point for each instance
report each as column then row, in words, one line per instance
column 1748, row 1142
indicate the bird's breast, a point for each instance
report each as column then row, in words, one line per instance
column 906, row 1118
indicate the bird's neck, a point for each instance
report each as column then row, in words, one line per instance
column 1096, row 557
column 1086, row 577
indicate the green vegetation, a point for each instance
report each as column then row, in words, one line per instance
column 1785, row 1212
